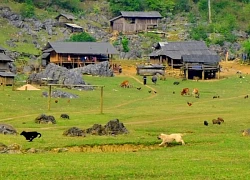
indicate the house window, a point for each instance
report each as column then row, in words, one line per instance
column 131, row 20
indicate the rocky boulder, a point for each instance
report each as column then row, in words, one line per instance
column 44, row 119
column 74, row 131
column 113, row 127
column 62, row 75
column 7, row 129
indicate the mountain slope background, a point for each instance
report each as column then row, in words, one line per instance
column 27, row 25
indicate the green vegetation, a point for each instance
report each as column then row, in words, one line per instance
column 211, row 152
column 82, row 37
column 28, row 9
column 125, row 43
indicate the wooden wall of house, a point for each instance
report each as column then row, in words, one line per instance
column 6, row 80
column 53, row 57
column 140, row 24
column 118, row 25
column 4, row 66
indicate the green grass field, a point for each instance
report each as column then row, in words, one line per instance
column 211, row 152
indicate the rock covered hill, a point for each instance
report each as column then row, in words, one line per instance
column 25, row 37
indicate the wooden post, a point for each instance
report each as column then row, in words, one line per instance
column 203, row 72
column 161, row 59
column 186, row 71
column 218, row 72
column 172, row 65
column 49, row 100
column 101, row 99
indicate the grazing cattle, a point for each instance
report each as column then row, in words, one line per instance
column 125, row 84
column 31, row 135
column 149, row 91
column 64, row 116
column 176, row 83
column 246, row 132
column 220, row 119
column 216, row 97
column 216, row 121
column 246, row 96
column 189, row 103
column 56, row 101
column 195, row 92
column 139, row 88
column 185, row 91
column 154, row 79
column 205, row 123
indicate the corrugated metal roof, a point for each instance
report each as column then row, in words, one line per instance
column 176, row 50
column 45, row 55
column 3, row 57
column 152, row 14
column 74, row 25
column 201, row 58
column 7, row 74
column 68, row 16
column 117, row 17
column 83, row 47
column 188, row 45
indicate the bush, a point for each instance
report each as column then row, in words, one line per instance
column 28, row 9
column 82, row 37
column 198, row 33
column 125, row 43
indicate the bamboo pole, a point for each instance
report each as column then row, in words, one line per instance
column 101, row 100
column 80, row 85
column 49, row 100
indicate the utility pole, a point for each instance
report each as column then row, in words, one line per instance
column 209, row 12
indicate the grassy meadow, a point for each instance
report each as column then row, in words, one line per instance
column 211, row 152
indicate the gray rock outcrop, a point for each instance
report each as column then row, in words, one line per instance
column 62, row 75
column 7, row 129
column 44, row 119
column 74, row 131
column 113, row 127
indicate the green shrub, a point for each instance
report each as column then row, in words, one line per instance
column 28, row 9
column 82, row 37
column 125, row 43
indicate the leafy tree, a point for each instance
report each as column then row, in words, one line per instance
column 82, row 37
column 163, row 6
column 125, row 5
column 125, row 43
column 28, row 9
column 198, row 33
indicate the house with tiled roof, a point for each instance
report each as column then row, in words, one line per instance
column 193, row 57
column 135, row 21
column 6, row 76
column 77, row 54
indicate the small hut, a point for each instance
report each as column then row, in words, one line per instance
column 6, row 76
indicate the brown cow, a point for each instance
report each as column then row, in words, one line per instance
column 216, row 121
column 125, row 84
column 195, row 92
column 185, row 91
